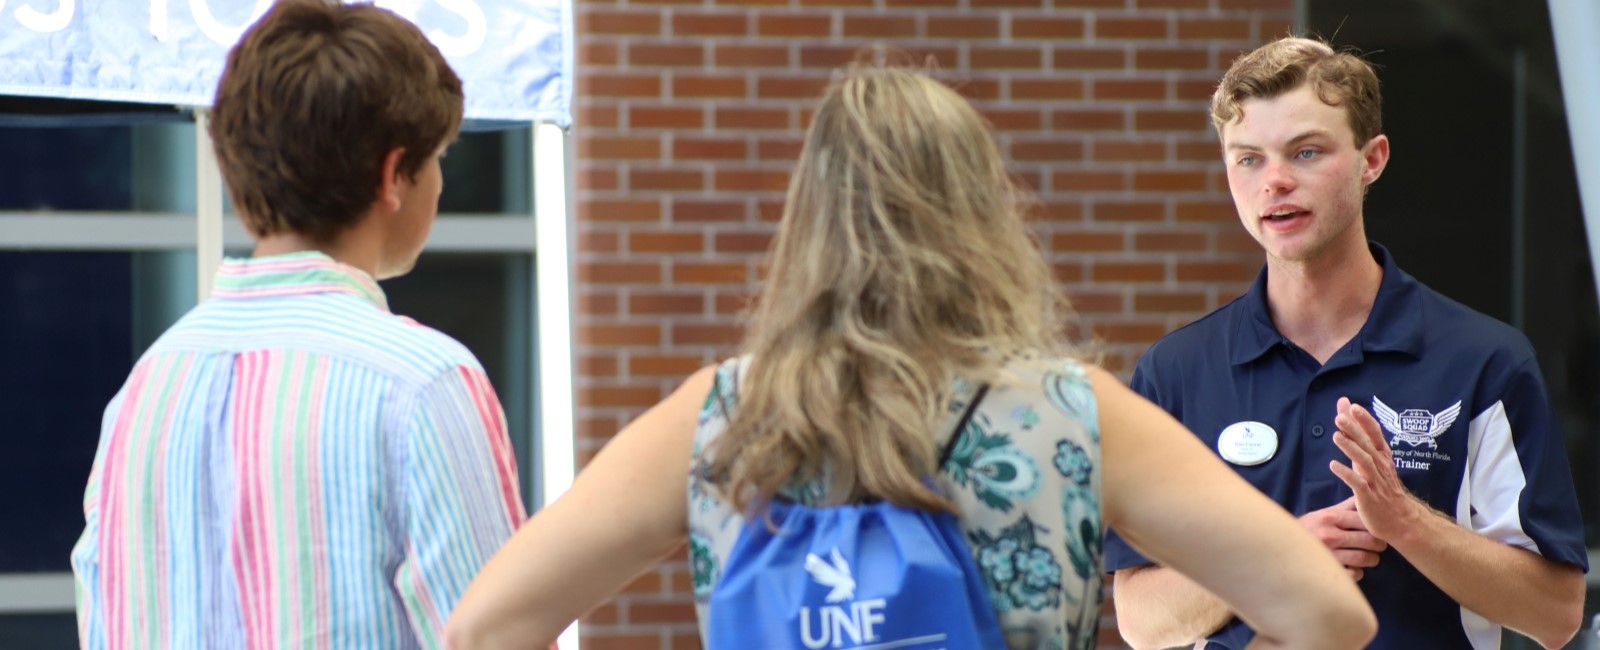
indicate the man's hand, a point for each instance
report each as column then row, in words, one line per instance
column 1339, row 527
column 1383, row 503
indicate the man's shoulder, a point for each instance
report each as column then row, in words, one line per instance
column 413, row 349
column 449, row 350
column 332, row 325
column 1204, row 337
column 1460, row 329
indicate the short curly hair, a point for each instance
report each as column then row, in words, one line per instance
column 1338, row 78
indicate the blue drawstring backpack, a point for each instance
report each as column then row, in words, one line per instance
column 872, row 576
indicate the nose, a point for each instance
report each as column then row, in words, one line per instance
column 1276, row 178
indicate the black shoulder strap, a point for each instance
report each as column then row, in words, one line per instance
column 972, row 405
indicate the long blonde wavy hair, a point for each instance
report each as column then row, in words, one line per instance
column 901, row 262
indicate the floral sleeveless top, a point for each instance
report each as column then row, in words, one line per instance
column 1025, row 477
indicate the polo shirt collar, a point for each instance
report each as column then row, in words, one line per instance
column 1394, row 325
column 294, row 274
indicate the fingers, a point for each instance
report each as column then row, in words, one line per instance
column 1345, row 519
column 1356, row 483
column 1356, row 540
column 1362, row 458
column 1340, row 515
column 1357, row 422
column 1355, row 574
column 1347, row 528
column 1363, row 419
column 1352, row 428
column 1336, row 534
column 1340, row 526
column 1356, row 559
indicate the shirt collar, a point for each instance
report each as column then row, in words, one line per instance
column 294, row 274
column 1394, row 325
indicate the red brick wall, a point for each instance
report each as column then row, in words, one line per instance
column 689, row 116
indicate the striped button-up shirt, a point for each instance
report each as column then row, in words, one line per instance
column 293, row 466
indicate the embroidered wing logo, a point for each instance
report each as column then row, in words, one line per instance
column 835, row 575
column 1444, row 419
column 1414, row 426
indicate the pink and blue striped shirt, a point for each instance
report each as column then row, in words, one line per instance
column 293, row 466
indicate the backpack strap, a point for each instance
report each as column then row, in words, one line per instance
column 950, row 445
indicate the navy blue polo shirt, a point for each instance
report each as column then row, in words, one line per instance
column 1460, row 400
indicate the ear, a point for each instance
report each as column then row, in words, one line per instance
column 392, row 183
column 1374, row 157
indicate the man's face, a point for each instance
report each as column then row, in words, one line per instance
column 1297, row 176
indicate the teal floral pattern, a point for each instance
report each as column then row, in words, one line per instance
column 998, row 472
column 1069, row 390
column 1019, row 573
column 702, row 565
column 1081, row 508
column 1073, row 462
column 962, row 389
column 1080, row 504
column 1025, row 416
column 715, row 410
column 1024, row 477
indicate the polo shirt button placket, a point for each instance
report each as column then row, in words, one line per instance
column 1312, row 388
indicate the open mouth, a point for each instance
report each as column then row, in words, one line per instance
column 1284, row 217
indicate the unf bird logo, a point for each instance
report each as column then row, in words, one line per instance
column 1415, row 426
column 835, row 576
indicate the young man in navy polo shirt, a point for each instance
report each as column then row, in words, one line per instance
column 1409, row 433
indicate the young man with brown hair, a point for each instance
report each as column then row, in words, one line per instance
column 292, row 465
column 1409, row 433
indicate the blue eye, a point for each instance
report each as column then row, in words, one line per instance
column 1246, row 161
column 1306, row 154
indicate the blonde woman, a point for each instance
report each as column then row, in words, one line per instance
column 902, row 278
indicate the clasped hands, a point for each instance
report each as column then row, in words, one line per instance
column 1360, row 527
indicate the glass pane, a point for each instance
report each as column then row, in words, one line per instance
column 163, row 167
column 83, row 168
column 39, row 631
column 80, row 319
column 484, row 300
column 487, row 172
column 71, row 317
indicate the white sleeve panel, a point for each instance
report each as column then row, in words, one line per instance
column 1494, row 481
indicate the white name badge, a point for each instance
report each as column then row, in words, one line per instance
column 1247, row 443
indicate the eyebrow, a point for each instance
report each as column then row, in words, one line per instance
column 1292, row 141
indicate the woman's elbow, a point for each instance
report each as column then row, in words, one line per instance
column 1343, row 623
column 500, row 629
column 460, row 634
column 1364, row 624
column 468, row 629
